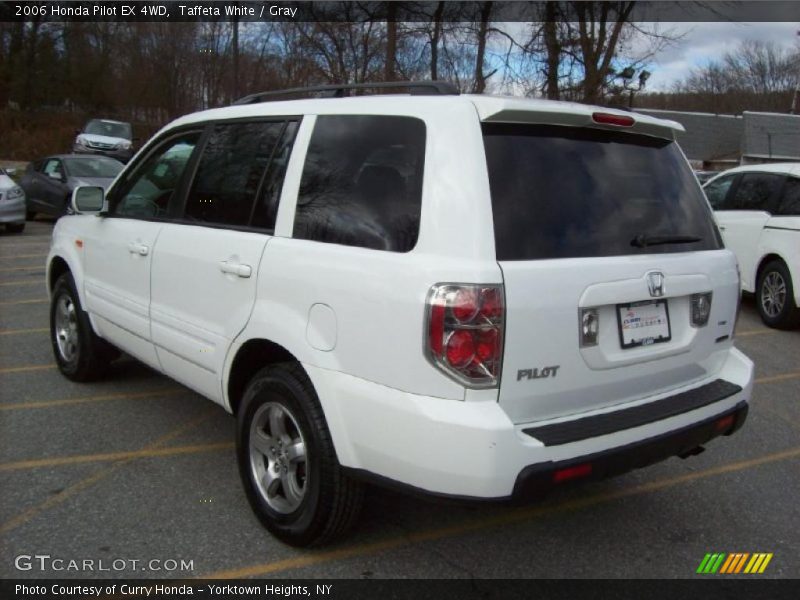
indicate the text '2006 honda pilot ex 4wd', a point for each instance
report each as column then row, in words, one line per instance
column 469, row 296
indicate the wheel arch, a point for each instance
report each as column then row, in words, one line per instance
column 251, row 356
column 765, row 260
column 57, row 267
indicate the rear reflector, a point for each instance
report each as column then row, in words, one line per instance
column 724, row 423
column 610, row 119
column 575, row 472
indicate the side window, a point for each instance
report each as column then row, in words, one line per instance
column 230, row 172
column 362, row 182
column 717, row 190
column 148, row 192
column 755, row 191
column 265, row 210
column 790, row 198
column 53, row 167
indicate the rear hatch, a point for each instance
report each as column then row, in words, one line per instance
column 601, row 227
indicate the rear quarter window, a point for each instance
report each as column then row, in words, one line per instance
column 790, row 198
column 362, row 182
column 566, row 192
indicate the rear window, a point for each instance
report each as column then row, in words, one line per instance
column 567, row 192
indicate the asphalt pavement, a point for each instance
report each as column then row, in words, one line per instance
column 139, row 469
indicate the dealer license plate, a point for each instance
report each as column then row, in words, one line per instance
column 643, row 323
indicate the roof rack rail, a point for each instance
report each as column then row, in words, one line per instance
column 415, row 88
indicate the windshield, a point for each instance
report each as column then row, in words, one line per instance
column 108, row 128
column 565, row 192
column 96, row 166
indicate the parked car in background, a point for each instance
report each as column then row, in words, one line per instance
column 703, row 176
column 48, row 183
column 107, row 137
column 758, row 210
column 12, row 203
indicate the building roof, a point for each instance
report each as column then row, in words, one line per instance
column 708, row 136
column 771, row 135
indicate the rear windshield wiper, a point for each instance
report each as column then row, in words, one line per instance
column 642, row 240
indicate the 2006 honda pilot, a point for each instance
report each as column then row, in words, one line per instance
column 470, row 296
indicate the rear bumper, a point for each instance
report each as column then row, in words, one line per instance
column 472, row 450
column 539, row 478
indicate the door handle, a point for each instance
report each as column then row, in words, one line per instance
column 722, row 228
column 238, row 269
column 137, row 248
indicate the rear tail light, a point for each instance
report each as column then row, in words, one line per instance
column 464, row 332
column 700, row 309
column 612, row 119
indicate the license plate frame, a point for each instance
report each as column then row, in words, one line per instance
column 646, row 340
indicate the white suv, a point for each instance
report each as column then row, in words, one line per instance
column 758, row 210
column 470, row 296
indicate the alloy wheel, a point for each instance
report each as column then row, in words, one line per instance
column 278, row 460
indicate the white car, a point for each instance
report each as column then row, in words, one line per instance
column 757, row 208
column 106, row 137
column 12, row 204
column 469, row 296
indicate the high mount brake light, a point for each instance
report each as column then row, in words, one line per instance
column 612, row 119
column 464, row 332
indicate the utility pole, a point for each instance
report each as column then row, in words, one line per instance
column 235, row 57
column 793, row 109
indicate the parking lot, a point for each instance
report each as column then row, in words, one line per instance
column 139, row 468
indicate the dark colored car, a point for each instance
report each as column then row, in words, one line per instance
column 48, row 183
column 106, row 137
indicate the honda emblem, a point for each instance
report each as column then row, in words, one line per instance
column 655, row 283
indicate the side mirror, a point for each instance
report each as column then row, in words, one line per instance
column 88, row 199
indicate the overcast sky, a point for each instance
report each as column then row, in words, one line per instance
column 703, row 42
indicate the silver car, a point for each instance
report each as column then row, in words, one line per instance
column 12, row 204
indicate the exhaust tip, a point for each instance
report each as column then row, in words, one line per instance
column 693, row 452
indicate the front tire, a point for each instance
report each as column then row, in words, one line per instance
column 80, row 354
column 775, row 296
column 287, row 461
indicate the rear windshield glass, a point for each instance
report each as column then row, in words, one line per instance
column 565, row 192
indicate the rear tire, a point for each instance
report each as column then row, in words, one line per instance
column 287, row 461
column 775, row 296
column 80, row 354
column 15, row 227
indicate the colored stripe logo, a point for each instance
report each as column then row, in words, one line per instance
column 734, row 563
